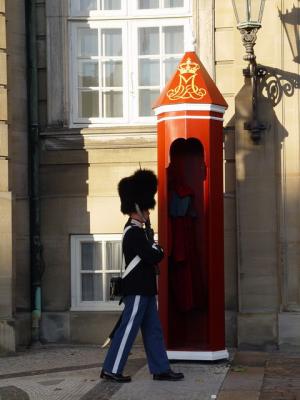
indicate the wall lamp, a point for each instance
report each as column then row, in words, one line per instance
column 248, row 15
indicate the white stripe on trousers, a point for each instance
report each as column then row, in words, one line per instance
column 126, row 334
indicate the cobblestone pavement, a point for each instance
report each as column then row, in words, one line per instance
column 73, row 373
column 51, row 357
column 281, row 379
column 202, row 380
column 56, row 373
column 263, row 376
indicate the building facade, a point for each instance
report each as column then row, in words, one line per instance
column 100, row 65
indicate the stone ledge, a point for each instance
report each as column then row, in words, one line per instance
column 257, row 331
column 289, row 328
column 97, row 140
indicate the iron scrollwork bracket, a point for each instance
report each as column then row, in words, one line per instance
column 274, row 83
column 269, row 83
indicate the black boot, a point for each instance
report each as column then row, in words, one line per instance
column 169, row 376
column 110, row 376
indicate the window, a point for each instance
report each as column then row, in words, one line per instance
column 94, row 260
column 100, row 71
column 122, row 55
column 148, row 4
column 96, row 7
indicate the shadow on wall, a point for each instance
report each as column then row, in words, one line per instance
column 64, row 190
column 259, row 180
column 273, row 84
column 291, row 23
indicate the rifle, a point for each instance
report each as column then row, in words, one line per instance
column 150, row 236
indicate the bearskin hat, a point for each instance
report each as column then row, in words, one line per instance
column 140, row 189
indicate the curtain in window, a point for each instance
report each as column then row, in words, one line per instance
column 91, row 287
column 144, row 4
column 91, row 260
column 95, row 286
column 147, row 4
column 88, row 5
column 112, row 4
column 173, row 36
column 113, row 262
column 173, row 3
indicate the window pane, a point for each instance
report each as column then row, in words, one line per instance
column 88, row 74
column 87, row 255
column 174, row 39
column 91, row 256
column 111, row 42
column 91, row 287
column 107, row 281
column 112, row 4
column 142, row 4
column 170, row 67
column 148, row 40
column 114, row 255
column 146, row 99
column 87, row 42
column 112, row 106
column 149, row 72
column 112, row 73
column 173, row 3
column 87, row 5
column 88, row 104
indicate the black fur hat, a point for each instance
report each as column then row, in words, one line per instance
column 140, row 189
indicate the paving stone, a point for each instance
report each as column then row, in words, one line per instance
column 104, row 390
column 277, row 396
column 13, row 393
column 249, row 379
column 282, row 378
column 200, row 383
column 250, row 358
column 72, row 373
column 56, row 359
column 238, row 395
column 70, row 385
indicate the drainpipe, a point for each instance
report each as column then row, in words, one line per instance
column 36, row 264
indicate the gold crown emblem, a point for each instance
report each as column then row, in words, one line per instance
column 188, row 67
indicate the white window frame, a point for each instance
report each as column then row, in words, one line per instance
column 133, row 10
column 160, row 23
column 129, row 8
column 130, row 20
column 74, row 73
column 75, row 12
column 76, row 303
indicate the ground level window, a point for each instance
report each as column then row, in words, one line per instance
column 94, row 260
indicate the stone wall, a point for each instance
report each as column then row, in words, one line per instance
column 7, row 334
column 14, row 222
column 267, row 175
column 79, row 172
column 79, row 175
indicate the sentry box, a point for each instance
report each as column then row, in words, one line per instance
column 190, row 213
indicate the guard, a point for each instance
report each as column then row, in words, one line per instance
column 141, row 256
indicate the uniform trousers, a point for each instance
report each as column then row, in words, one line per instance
column 139, row 312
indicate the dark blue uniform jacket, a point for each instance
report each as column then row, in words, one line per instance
column 142, row 279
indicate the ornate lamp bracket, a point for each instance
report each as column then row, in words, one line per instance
column 248, row 15
column 249, row 34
